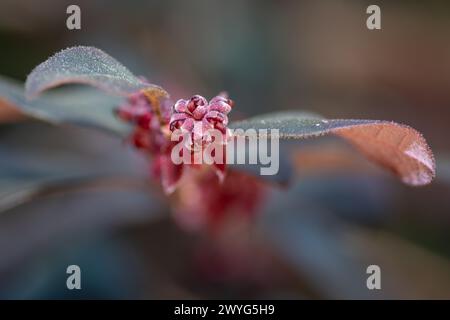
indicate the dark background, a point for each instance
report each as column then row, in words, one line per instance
column 313, row 240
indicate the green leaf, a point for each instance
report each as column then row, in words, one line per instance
column 396, row 147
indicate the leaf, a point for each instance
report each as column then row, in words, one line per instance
column 330, row 253
column 79, row 65
column 395, row 253
column 34, row 155
column 394, row 146
column 80, row 106
column 85, row 65
column 60, row 216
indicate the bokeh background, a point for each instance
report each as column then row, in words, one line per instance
column 312, row 239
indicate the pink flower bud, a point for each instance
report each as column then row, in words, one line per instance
column 197, row 116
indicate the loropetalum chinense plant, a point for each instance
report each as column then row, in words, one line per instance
column 201, row 194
